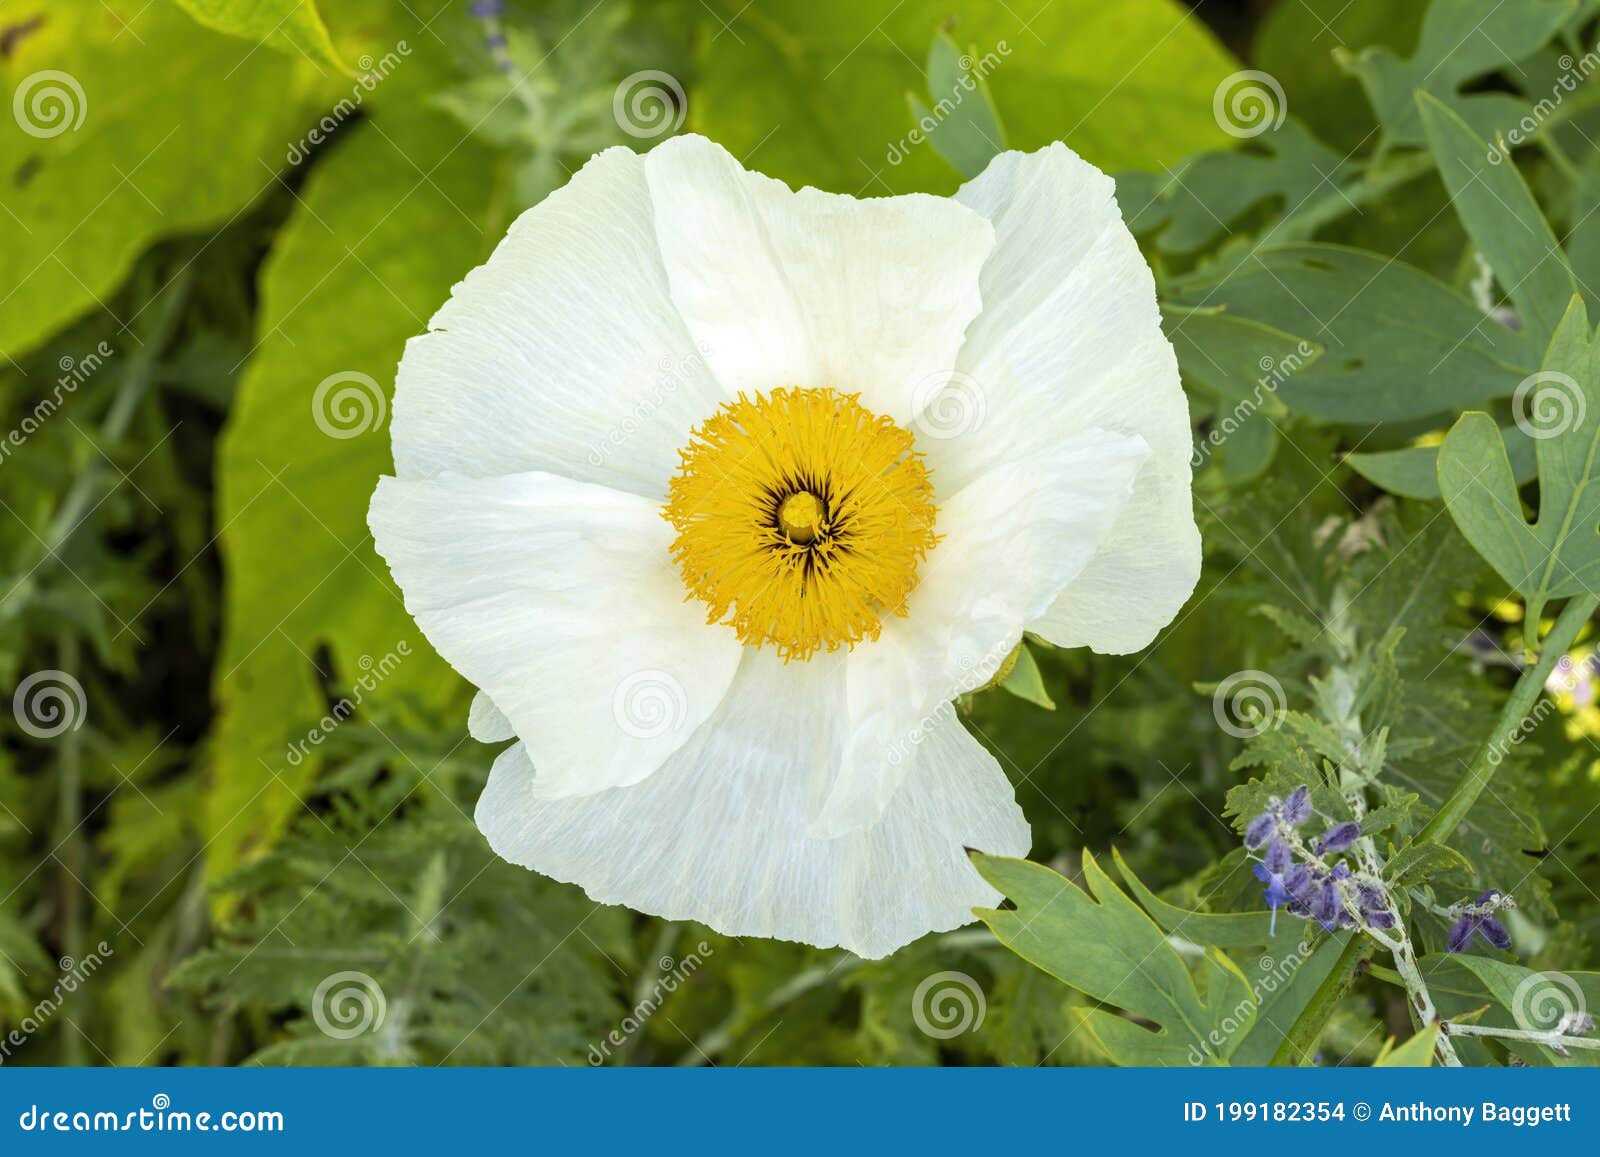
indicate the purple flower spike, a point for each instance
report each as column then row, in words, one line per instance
column 1380, row 918
column 1461, row 933
column 1260, row 830
column 1297, row 808
column 1494, row 932
column 1341, row 836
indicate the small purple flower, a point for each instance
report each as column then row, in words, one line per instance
column 1297, row 808
column 1461, row 934
column 487, row 9
column 1260, row 830
column 1340, row 836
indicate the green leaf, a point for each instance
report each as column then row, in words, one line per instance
column 1416, row 1053
column 1461, row 41
column 1526, row 999
column 1214, row 190
column 1504, row 221
column 1421, row 863
column 813, row 91
column 396, row 215
column 290, row 25
column 134, row 132
column 1401, row 344
column 1414, row 471
column 1212, row 929
column 1025, row 681
column 1242, row 363
column 1559, row 553
column 963, row 124
column 1101, row 943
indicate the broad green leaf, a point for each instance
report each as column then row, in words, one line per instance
column 1416, row 1053
column 963, row 124
column 136, row 124
column 1209, row 194
column 387, row 224
column 1101, row 943
column 813, row 91
column 1243, row 364
column 1414, row 473
column 1461, row 41
column 1523, row 999
column 1025, row 681
column 1211, row 929
column 1504, row 221
column 1559, row 553
column 290, row 25
column 1400, row 344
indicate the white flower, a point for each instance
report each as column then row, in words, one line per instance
column 722, row 492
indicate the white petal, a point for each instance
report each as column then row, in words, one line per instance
column 1070, row 338
column 564, row 353
column 719, row 835
column 487, row 723
column 559, row 600
column 1011, row 541
column 808, row 288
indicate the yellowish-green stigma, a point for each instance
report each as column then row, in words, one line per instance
column 802, row 519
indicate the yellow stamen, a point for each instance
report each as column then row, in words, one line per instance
column 802, row 518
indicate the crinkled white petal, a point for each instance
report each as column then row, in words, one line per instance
column 563, row 353
column 487, row 723
column 719, row 834
column 1069, row 339
column 1011, row 541
column 807, row 288
column 559, row 600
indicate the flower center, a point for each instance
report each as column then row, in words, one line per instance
column 802, row 518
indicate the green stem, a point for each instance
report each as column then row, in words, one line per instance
column 1507, row 728
column 69, row 840
column 1300, row 1042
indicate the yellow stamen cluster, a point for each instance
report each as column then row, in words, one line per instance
column 802, row 518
